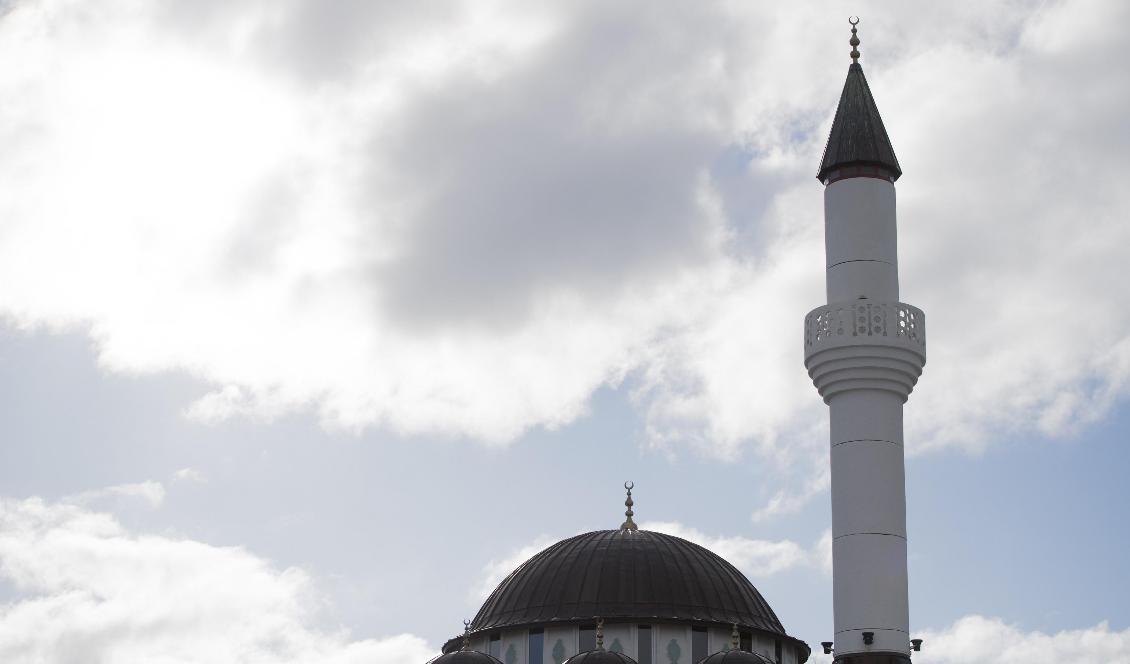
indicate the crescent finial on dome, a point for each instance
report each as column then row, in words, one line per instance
column 628, row 523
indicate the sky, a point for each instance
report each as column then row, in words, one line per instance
column 316, row 319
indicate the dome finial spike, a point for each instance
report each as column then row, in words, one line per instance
column 628, row 523
column 854, row 20
column 600, row 633
column 466, row 634
column 735, row 638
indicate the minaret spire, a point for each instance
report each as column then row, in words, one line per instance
column 865, row 351
column 858, row 145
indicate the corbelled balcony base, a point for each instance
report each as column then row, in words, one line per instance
column 871, row 364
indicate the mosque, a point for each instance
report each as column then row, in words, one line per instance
column 630, row 596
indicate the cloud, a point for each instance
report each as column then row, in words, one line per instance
column 466, row 220
column 978, row 639
column 756, row 558
column 788, row 501
column 1014, row 263
column 148, row 491
column 89, row 590
column 189, row 474
column 822, row 552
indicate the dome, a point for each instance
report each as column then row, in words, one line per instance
column 630, row 574
column 465, row 657
column 736, row 657
column 600, row 656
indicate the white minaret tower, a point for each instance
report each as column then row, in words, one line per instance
column 864, row 351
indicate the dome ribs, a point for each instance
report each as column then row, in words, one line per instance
column 694, row 598
column 619, row 575
column 624, row 579
column 559, row 600
column 661, row 585
column 528, row 583
column 541, row 589
column 755, row 602
column 588, row 586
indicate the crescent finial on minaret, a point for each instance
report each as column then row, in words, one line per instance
column 854, row 20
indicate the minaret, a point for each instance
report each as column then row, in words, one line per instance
column 864, row 351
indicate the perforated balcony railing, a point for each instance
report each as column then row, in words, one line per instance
column 835, row 324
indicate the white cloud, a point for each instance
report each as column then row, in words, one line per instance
column 978, row 639
column 756, row 558
column 991, row 640
column 822, row 552
column 149, row 491
column 466, row 221
column 788, row 501
column 92, row 591
column 189, row 474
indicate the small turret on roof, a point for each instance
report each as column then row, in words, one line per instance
column 858, row 145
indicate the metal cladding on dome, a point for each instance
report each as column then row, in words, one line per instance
column 735, row 656
column 465, row 657
column 630, row 574
column 600, row 656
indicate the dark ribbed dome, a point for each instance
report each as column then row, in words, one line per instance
column 465, row 657
column 736, row 657
column 626, row 574
column 600, row 657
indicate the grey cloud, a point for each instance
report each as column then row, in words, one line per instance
column 531, row 203
column 610, row 190
column 332, row 42
column 576, row 172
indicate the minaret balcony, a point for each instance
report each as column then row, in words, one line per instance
column 865, row 344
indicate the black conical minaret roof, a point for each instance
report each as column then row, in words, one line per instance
column 858, row 144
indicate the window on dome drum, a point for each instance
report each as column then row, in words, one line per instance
column 643, row 648
column 777, row 650
column 586, row 640
column 537, row 645
column 746, row 643
column 495, row 645
column 698, row 644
